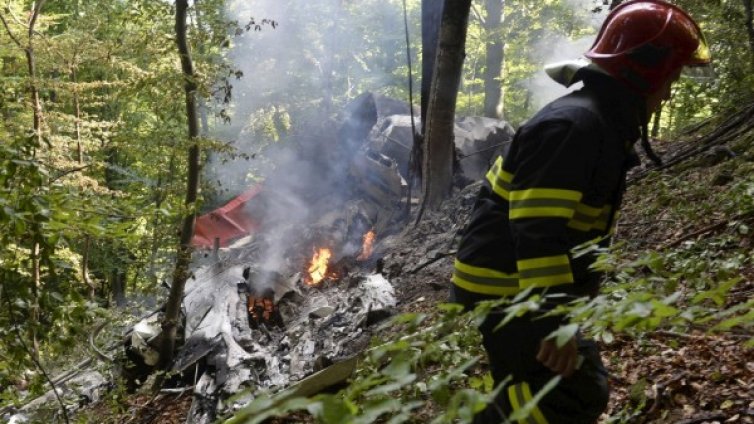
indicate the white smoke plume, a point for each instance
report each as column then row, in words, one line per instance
column 557, row 48
column 296, row 78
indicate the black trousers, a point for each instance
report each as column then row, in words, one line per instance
column 512, row 352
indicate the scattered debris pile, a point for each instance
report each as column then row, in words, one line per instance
column 302, row 329
column 288, row 279
column 296, row 291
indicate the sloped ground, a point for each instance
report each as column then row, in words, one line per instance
column 692, row 218
column 697, row 216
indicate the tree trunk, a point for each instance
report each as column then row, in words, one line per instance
column 34, row 308
column 31, row 62
column 494, row 59
column 431, row 17
column 85, row 267
column 437, row 166
column 31, row 65
column 183, row 259
column 118, row 285
column 750, row 24
column 77, row 106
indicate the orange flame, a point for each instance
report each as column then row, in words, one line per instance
column 366, row 250
column 318, row 266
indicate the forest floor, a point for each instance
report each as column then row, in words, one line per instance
column 690, row 212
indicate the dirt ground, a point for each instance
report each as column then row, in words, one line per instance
column 663, row 377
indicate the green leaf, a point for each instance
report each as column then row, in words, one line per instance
column 563, row 334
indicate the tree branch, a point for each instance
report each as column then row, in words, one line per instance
column 70, row 171
column 46, row 376
column 478, row 14
column 35, row 14
column 10, row 33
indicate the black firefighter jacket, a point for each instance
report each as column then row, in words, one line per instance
column 559, row 185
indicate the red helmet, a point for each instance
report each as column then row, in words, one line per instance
column 645, row 42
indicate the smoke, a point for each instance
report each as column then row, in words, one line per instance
column 296, row 78
column 557, row 47
column 299, row 74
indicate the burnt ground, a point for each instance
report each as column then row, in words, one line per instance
column 661, row 376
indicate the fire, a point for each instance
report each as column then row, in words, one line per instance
column 366, row 250
column 318, row 266
column 261, row 308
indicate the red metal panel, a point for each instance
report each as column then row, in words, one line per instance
column 228, row 223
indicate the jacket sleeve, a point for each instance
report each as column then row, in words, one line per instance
column 551, row 165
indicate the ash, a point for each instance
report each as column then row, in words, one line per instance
column 321, row 326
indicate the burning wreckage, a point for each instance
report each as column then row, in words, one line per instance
column 286, row 279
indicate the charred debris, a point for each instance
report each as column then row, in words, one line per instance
column 287, row 277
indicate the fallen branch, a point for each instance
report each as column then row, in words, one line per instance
column 177, row 390
column 666, row 333
column 92, row 336
column 739, row 123
column 707, row 229
column 431, row 261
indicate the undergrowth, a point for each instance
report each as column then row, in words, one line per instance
column 430, row 368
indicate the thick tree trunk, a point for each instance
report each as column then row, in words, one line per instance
column 183, row 260
column 494, row 59
column 431, row 18
column 438, row 143
column 750, row 24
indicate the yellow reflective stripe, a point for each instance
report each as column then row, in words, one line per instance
column 545, row 272
column 540, row 212
column 589, row 210
column 514, row 400
column 579, row 225
column 546, row 281
column 589, row 218
column 484, row 289
column 484, row 280
column 547, row 261
column 536, row 413
column 543, row 203
column 482, row 272
column 546, row 193
column 492, row 172
column 499, row 180
column 519, row 395
column 516, row 403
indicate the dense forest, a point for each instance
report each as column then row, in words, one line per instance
column 120, row 126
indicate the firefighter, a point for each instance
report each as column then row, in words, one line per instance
column 557, row 187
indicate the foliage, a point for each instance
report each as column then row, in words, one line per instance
column 99, row 197
column 431, row 361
